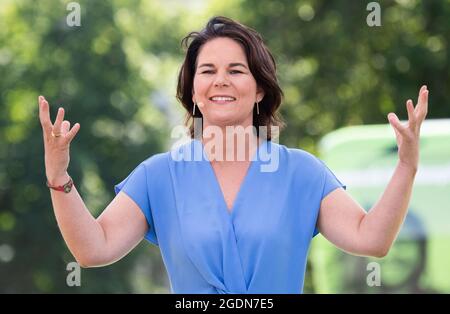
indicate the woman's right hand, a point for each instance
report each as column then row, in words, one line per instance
column 56, row 147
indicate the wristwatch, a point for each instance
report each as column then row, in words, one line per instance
column 66, row 188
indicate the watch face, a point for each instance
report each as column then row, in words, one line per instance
column 67, row 188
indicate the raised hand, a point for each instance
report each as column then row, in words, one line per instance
column 57, row 139
column 408, row 135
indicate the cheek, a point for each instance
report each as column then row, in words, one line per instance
column 200, row 86
column 247, row 89
column 246, row 83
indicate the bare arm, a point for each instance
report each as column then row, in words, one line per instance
column 345, row 223
column 101, row 241
column 93, row 242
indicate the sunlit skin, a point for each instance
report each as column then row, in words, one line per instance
column 408, row 135
column 222, row 69
column 346, row 224
column 341, row 220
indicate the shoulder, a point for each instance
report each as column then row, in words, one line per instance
column 179, row 152
column 297, row 157
column 304, row 167
column 155, row 166
column 155, row 161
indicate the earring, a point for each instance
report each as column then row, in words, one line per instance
column 257, row 108
column 193, row 110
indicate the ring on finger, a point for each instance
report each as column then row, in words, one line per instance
column 56, row 135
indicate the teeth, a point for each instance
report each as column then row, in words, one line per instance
column 223, row 98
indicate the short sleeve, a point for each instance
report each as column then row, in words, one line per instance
column 330, row 183
column 136, row 187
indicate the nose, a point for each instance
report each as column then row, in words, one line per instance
column 220, row 80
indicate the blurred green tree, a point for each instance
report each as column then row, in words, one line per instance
column 338, row 71
column 88, row 71
column 116, row 76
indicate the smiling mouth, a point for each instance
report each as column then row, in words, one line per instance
column 222, row 99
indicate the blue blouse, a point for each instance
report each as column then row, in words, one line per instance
column 261, row 246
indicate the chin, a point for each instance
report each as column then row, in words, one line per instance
column 223, row 119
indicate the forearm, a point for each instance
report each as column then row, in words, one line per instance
column 83, row 234
column 381, row 224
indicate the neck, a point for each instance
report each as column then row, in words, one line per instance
column 236, row 143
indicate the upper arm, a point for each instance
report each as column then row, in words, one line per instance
column 339, row 220
column 124, row 226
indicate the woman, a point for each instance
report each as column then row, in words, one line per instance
column 223, row 223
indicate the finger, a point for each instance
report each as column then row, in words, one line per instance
column 397, row 135
column 422, row 89
column 71, row 134
column 411, row 116
column 422, row 107
column 65, row 127
column 44, row 115
column 58, row 121
column 395, row 122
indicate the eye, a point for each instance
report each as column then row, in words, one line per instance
column 207, row 71
column 235, row 71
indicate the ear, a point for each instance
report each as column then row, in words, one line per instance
column 193, row 96
column 259, row 94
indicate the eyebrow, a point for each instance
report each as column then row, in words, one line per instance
column 235, row 64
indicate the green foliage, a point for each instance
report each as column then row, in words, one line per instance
column 116, row 74
column 87, row 71
column 338, row 71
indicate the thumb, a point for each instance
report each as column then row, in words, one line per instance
column 395, row 123
column 391, row 117
column 71, row 134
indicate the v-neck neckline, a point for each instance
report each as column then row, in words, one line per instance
column 218, row 189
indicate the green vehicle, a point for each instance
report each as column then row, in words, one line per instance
column 363, row 158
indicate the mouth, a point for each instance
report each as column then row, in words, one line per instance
column 222, row 99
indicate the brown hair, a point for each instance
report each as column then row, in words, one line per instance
column 260, row 60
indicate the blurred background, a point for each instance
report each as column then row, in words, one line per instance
column 116, row 73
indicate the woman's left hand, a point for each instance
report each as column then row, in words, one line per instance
column 408, row 135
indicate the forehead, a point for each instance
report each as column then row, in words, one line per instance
column 221, row 50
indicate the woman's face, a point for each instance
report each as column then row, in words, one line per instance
column 224, row 84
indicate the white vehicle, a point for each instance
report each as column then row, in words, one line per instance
column 364, row 158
